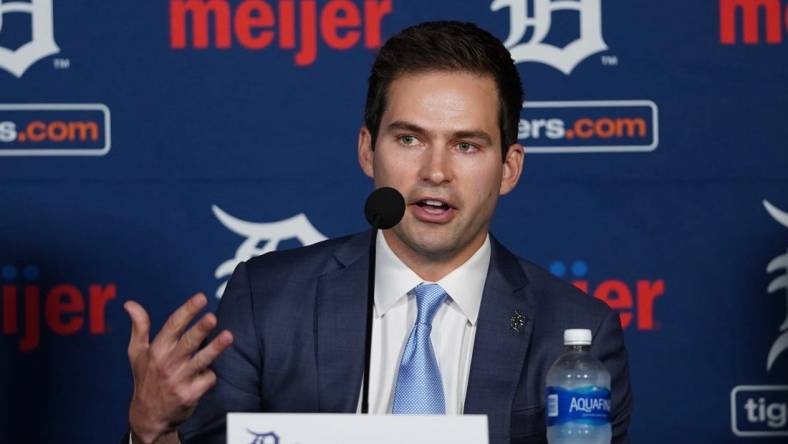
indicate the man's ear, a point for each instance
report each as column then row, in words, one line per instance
column 366, row 157
column 512, row 168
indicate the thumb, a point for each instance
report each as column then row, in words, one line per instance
column 140, row 328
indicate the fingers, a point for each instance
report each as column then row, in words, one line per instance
column 210, row 352
column 140, row 328
column 191, row 340
column 203, row 382
column 178, row 321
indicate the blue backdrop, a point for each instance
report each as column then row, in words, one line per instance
column 146, row 147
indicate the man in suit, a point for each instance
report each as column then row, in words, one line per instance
column 461, row 325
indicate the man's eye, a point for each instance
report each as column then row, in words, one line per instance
column 407, row 140
column 466, row 147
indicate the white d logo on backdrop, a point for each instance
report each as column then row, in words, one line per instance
column 779, row 263
column 539, row 19
column 42, row 40
column 268, row 233
column 762, row 410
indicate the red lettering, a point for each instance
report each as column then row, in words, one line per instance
column 199, row 11
column 10, row 324
column 99, row 296
column 253, row 14
column 647, row 292
column 64, row 299
column 286, row 24
column 32, row 328
column 582, row 285
column 373, row 14
column 254, row 23
column 63, row 311
column 750, row 20
column 339, row 14
column 617, row 296
column 308, row 51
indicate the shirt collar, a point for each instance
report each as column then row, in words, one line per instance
column 464, row 284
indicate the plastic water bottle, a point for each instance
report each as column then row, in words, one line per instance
column 578, row 394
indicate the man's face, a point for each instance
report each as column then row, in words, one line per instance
column 439, row 144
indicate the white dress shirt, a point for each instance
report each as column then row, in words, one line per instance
column 453, row 328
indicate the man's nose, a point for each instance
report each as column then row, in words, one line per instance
column 435, row 167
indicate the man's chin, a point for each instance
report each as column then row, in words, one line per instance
column 429, row 245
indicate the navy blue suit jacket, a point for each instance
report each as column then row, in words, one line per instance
column 298, row 318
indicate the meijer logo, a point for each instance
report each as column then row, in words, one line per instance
column 42, row 40
column 66, row 308
column 269, row 234
column 256, row 25
column 538, row 18
column 634, row 301
column 751, row 13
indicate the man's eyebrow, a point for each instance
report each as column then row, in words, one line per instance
column 406, row 126
column 473, row 134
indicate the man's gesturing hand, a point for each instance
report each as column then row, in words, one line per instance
column 170, row 374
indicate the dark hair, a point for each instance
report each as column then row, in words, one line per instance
column 446, row 46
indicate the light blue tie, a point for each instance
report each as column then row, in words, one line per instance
column 419, row 389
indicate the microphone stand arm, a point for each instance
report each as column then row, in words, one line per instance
column 370, row 306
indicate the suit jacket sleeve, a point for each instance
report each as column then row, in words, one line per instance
column 237, row 369
column 608, row 347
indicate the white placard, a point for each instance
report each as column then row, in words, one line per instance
column 329, row 428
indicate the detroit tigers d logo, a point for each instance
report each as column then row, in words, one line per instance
column 778, row 265
column 261, row 238
column 42, row 40
column 539, row 19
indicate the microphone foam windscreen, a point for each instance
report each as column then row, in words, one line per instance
column 384, row 208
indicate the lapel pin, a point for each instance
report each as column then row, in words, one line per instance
column 518, row 321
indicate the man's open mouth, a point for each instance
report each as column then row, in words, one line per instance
column 433, row 206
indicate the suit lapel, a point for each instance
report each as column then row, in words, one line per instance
column 499, row 351
column 341, row 311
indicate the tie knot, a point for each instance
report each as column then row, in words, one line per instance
column 428, row 298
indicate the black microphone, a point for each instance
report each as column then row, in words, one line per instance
column 383, row 210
